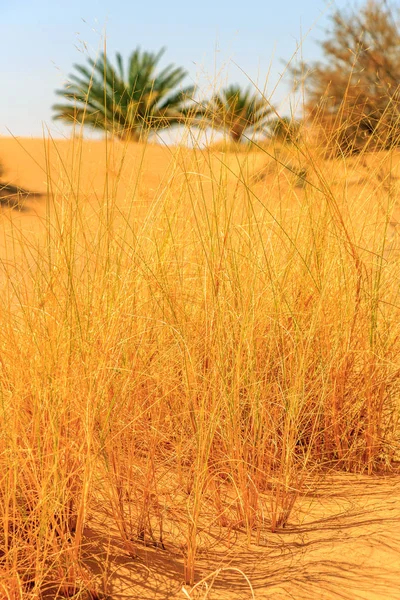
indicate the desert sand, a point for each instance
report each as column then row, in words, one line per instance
column 343, row 539
column 344, row 542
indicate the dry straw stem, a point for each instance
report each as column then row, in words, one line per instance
column 187, row 344
column 213, row 576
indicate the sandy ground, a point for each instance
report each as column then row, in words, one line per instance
column 342, row 543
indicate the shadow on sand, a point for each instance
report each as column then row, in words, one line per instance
column 12, row 196
column 344, row 545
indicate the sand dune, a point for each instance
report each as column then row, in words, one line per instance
column 343, row 539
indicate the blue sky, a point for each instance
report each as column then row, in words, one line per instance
column 42, row 39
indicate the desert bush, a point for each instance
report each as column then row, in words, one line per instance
column 354, row 93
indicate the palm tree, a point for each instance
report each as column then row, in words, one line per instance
column 236, row 111
column 284, row 129
column 127, row 103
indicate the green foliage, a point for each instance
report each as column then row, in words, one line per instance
column 284, row 129
column 235, row 111
column 356, row 91
column 127, row 102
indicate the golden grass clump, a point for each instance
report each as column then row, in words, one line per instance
column 189, row 340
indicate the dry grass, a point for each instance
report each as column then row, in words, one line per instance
column 189, row 341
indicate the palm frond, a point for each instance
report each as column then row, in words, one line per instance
column 236, row 111
column 127, row 101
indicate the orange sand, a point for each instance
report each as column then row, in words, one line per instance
column 343, row 542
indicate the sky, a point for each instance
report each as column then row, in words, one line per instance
column 216, row 41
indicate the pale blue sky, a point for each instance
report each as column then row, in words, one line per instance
column 42, row 39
